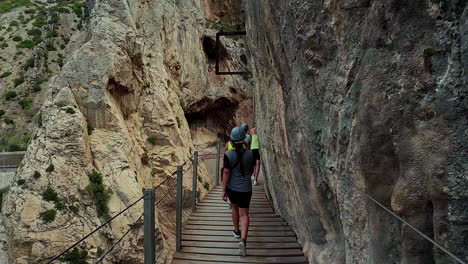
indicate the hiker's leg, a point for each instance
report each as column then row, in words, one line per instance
column 235, row 217
column 244, row 218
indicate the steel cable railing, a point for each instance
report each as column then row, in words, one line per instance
column 393, row 214
column 180, row 173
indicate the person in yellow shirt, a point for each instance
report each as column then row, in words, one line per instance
column 254, row 146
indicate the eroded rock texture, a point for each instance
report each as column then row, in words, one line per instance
column 371, row 94
column 119, row 106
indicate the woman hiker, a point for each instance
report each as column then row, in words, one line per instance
column 238, row 166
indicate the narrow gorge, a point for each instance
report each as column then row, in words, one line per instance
column 354, row 100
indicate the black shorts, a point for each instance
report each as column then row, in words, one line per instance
column 256, row 154
column 242, row 199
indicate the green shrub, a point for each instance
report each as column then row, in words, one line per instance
column 39, row 21
column 152, row 140
column 15, row 147
column 60, row 62
column 2, row 112
column 48, row 34
column 17, row 38
column 70, row 110
column 90, row 129
column 50, row 47
column 62, row 46
column 51, row 168
column 50, row 195
column 26, row 44
column 14, row 23
column 30, row 11
column 77, row 8
column 21, row 181
column 37, row 39
column 10, row 95
column 4, row 45
column 25, row 104
column 60, row 206
column 36, row 175
column 75, row 256
column 34, row 32
column 18, row 81
column 28, row 64
column 144, row 159
column 99, row 252
column 8, row 121
column 100, row 192
column 206, row 186
column 5, row 74
column 54, row 18
column 48, row 216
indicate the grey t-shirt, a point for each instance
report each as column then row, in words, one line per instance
column 239, row 182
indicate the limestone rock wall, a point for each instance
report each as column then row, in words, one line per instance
column 138, row 69
column 367, row 94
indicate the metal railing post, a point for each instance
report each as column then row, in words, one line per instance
column 194, row 183
column 218, row 153
column 149, row 232
column 179, row 209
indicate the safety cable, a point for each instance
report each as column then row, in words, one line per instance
column 120, row 239
column 394, row 215
column 95, row 230
column 128, row 231
column 405, row 222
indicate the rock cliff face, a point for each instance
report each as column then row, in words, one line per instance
column 131, row 103
column 366, row 94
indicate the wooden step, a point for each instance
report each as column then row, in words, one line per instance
column 251, row 233
column 229, row 228
column 233, row 239
column 227, row 223
column 239, row 259
column 234, row 244
column 235, row 251
column 229, row 219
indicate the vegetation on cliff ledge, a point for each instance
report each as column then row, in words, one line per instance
column 100, row 193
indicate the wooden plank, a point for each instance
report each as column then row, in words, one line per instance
column 252, row 202
column 230, row 228
column 234, row 244
column 228, row 214
column 229, row 233
column 252, row 252
column 254, row 218
column 254, row 209
column 227, row 223
column 239, row 259
column 233, row 239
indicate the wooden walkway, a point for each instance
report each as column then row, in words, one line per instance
column 207, row 236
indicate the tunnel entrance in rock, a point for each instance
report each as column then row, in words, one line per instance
column 209, row 48
column 216, row 116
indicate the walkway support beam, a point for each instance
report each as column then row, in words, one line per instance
column 179, row 209
column 149, row 231
column 218, row 154
column 195, row 180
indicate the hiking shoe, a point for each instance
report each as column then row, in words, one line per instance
column 252, row 178
column 236, row 234
column 242, row 248
column 255, row 183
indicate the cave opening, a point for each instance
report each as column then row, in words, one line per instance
column 215, row 115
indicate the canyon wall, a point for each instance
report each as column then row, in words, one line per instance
column 130, row 102
column 364, row 96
